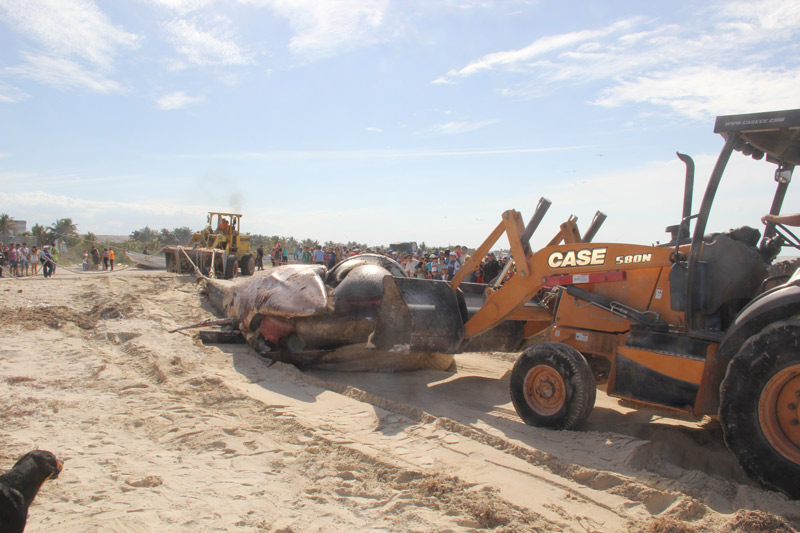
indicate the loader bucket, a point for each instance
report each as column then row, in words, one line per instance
column 505, row 337
column 419, row 316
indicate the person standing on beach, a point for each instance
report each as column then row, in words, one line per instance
column 26, row 257
column 111, row 258
column 260, row 257
column 13, row 263
column 277, row 255
column 53, row 257
column 48, row 262
column 95, row 258
column 36, row 256
column 105, row 258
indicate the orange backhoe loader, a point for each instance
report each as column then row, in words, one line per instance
column 694, row 325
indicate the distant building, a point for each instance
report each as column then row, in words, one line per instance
column 18, row 227
column 404, row 247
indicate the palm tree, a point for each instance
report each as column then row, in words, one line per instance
column 353, row 244
column 144, row 235
column 183, row 234
column 167, row 237
column 39, row 233
column 62, row 228
column 6, row 225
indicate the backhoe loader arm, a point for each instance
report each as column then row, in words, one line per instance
column 512, row 226
column 532, row 270
column 502, row 302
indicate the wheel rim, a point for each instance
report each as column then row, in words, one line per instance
column 779, row 412
column 545, row 391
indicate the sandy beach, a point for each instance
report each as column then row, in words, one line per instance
column 159, row 432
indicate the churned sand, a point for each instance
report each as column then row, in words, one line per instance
column 161, row 433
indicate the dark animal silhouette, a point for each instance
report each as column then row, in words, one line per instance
column 18, row 487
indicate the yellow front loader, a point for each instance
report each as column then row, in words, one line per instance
column 220, row 250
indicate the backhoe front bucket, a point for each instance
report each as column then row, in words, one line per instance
column 419, row 316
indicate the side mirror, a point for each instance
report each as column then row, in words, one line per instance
column 783, row 175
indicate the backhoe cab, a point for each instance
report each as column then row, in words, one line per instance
column 690, row 326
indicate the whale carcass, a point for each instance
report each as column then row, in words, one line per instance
column 310, row 316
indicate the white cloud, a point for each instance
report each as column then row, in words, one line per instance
column 69, row 28
column 454, row 127
column 182, row 6
column 519, row 60
column 212, row 44
column 768, row 19
column 321, row 28
column 34, row 180
column 176, row 100
column 325, row 26
column 373, row 128
column 10, row 94
column 728, row 57
column 43, row 208
column 700, row 92
column 63, row 73
column 76, row 42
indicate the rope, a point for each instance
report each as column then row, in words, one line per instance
column 93, row 272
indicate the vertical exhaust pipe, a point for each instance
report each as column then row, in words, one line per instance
column 688, row 190
column 541, row 209
column 594, row 227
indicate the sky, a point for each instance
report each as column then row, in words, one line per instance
column 379, row 121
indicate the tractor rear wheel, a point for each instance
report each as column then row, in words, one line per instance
column 247, row 265
column 230, row 267
column 759, row 407
column 552, row 386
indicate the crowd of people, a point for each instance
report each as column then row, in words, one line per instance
column 438, row 264
column 18, row 260
column 96, row 257
column 445, row 264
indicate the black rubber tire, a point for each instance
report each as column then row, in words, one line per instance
column 247, row 265
column 230, row 267
column 773, row 350
column 580, row 389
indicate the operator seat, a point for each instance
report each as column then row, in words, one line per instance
column 730, row 273
column 735, row 268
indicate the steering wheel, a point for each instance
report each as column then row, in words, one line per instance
column 785, row 234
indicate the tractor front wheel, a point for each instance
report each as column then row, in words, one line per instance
column 247, row 265
column 760, row 407
column 552, row 386
column 230, row 267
